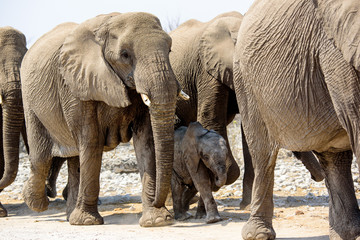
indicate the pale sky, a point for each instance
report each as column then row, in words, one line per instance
column 36, row 17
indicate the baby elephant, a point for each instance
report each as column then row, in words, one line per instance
column 200, row 165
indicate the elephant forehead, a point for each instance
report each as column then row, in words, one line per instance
column 136, row 20
column 213, row 143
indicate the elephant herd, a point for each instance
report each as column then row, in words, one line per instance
column 289, row 68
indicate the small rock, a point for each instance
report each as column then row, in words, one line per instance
column 298, row 212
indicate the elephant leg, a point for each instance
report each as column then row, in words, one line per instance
column 180, row 209
column 344, row 213
column 200, row 211
column 145, row 156
column 213, row 114
column 3, row 211
column 56, row 165
column 40, row 160
column 249, row 175
column 72, row 187
column 91, row 145
column 189, row 196
column 202, row 183
column 264, row 153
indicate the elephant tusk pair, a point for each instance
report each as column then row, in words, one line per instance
column 147, row 101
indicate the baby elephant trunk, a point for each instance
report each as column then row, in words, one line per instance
column 220, row 176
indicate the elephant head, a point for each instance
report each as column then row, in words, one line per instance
column 107, row 56
column 200, row 144
column 217, row 46
column 341, row 19
column 12, row 50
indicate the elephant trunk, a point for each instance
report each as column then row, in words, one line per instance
column 162, row 120
column 220, row 179
column 13, row 119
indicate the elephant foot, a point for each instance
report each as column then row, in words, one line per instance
column 200, row 212
column 81, row 217
column 36, row 202
column 213, row 219
column 347, row 234
column 257, row 229
column 183, row 216
column 3, row 211
column 156, row 217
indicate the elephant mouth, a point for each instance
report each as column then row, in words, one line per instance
column 220, row 181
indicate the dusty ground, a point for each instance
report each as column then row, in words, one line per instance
column 121, row 222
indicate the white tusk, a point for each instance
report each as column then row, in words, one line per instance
column 146, row 100
column 1, row 101
column 183, row 95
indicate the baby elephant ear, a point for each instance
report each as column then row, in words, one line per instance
column 341, row 22
column 85, row 70
column 217, row 46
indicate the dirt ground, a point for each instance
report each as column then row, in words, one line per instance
column 298, row 221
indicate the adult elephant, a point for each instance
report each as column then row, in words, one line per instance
column 12, row 50
column 202, row 59
column 83, row 87
column 296, row 71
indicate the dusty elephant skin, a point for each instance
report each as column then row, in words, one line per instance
column 12, row 51
column 81, row 89
column 202, row 59
column 298, row 84
column 200, row 165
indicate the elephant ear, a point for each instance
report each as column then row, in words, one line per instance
column 189, row 146
column 341, row 22
column 217, row 46
column 84, row 68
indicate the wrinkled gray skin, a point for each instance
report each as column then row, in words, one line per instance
column 201, row 162
column 12, row 50
column 296, row 76
column 81, row 90
column 202, row 59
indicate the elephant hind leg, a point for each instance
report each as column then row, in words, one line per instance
column 56, row 165
column 263, row 153
column 40, row 145
column 344, row 213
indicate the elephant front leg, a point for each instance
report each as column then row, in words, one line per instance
column 145, row 156
column 34, row 193
column 91, row 145
column 202, row 183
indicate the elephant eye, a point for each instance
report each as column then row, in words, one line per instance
column 125, row 55
column 204, row 156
